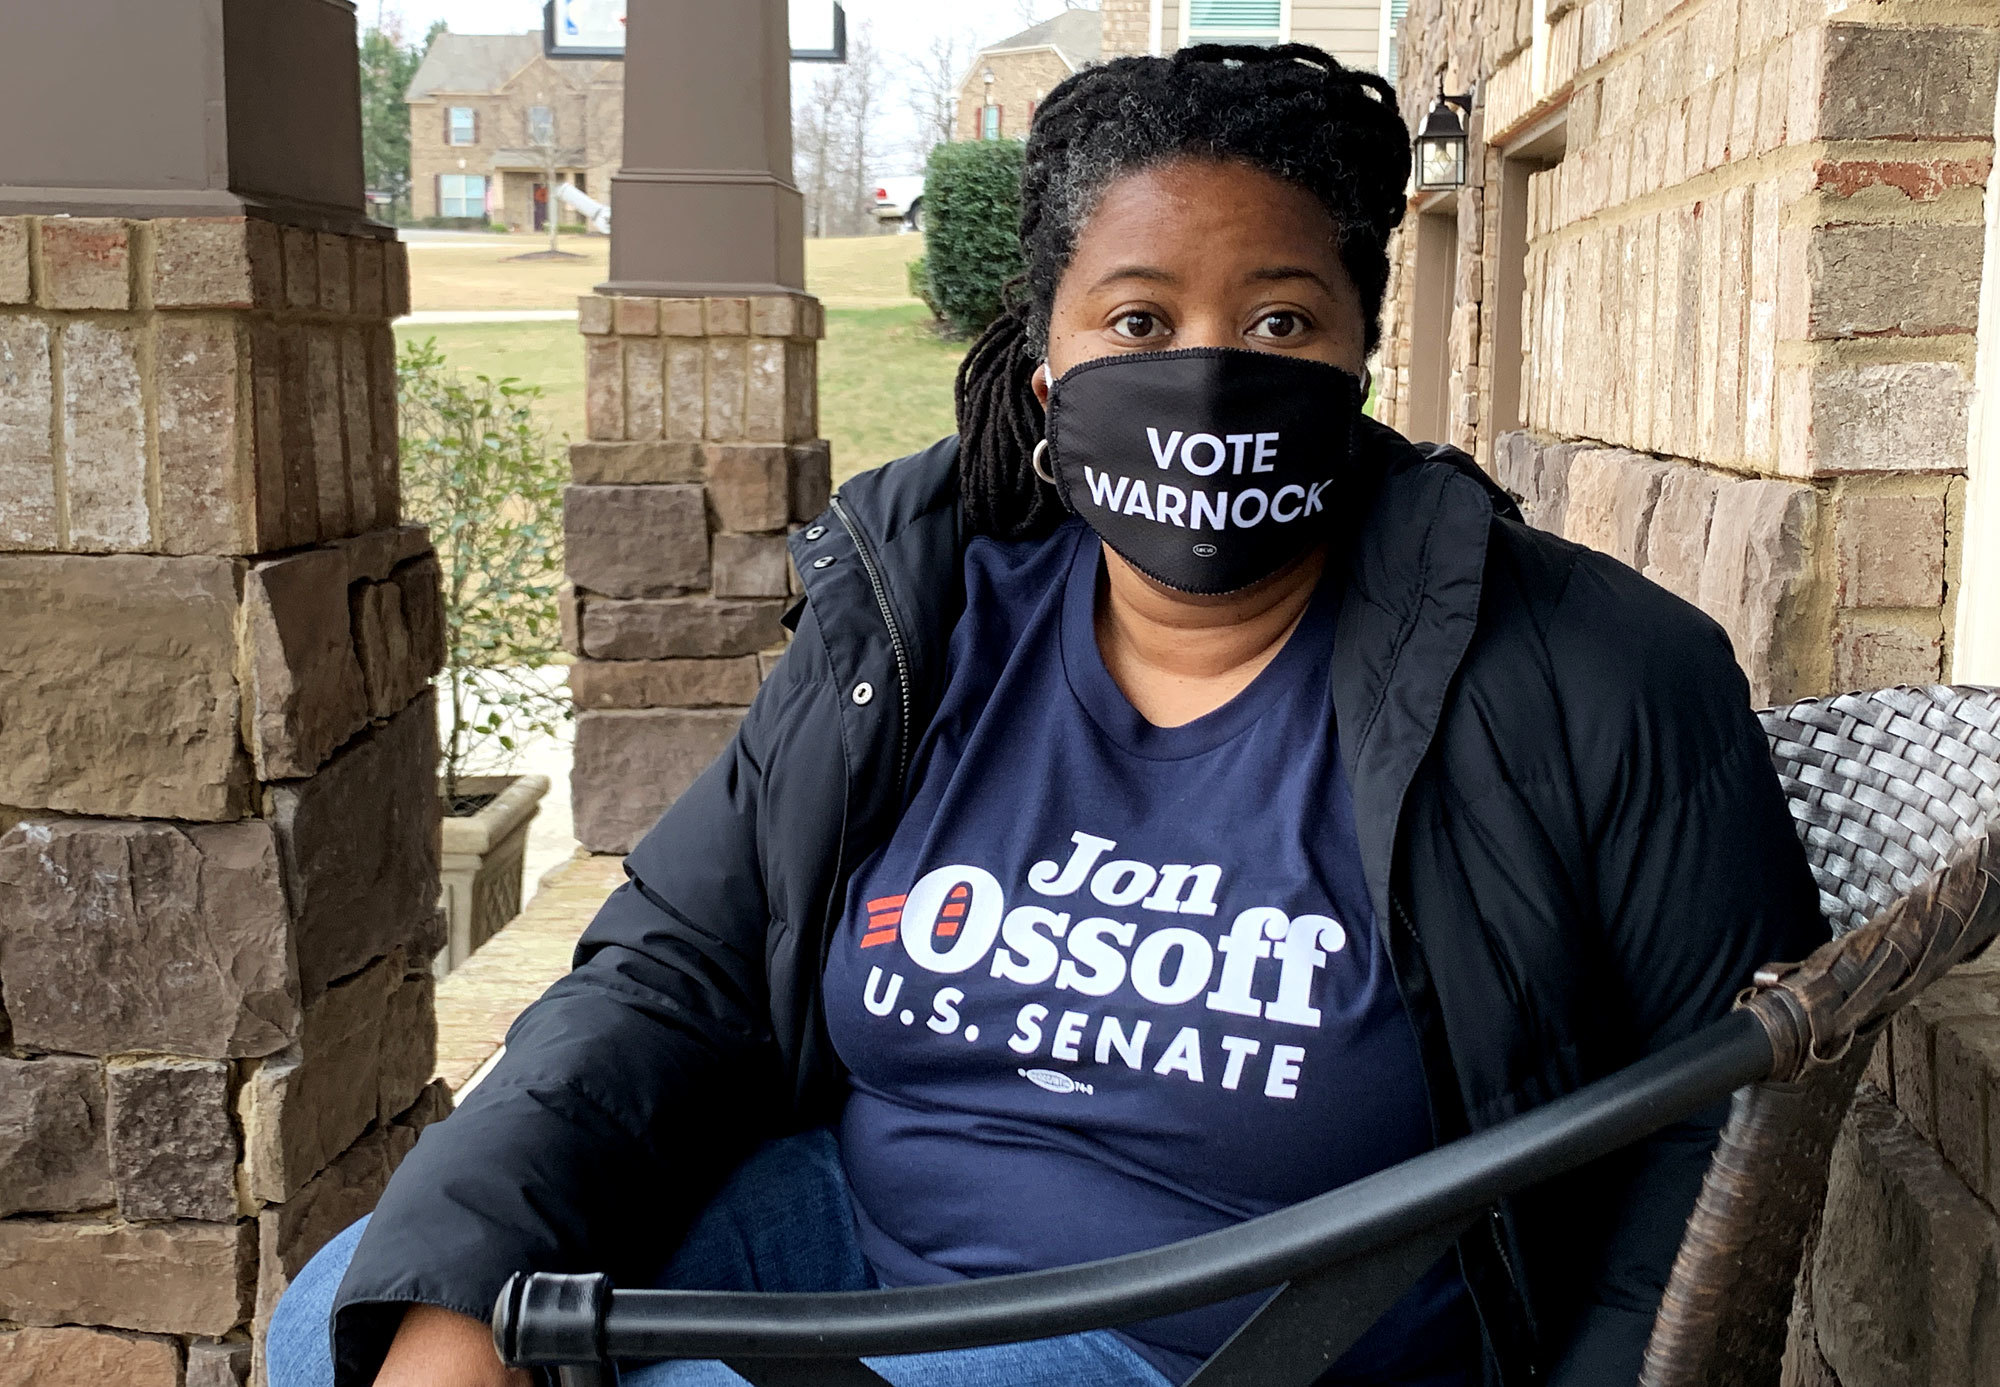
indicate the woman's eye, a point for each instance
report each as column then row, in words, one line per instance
column 1136, row 326
column 1280, row 325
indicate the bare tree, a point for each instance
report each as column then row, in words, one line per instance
column 930, row 86
column 542, row 140
column 1033, row 12
column 833, row 143
column 863, row 93
column 815, row 140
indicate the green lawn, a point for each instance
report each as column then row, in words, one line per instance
column 862, row 271
column 885, row 376
column 885, row 380
column 546, row 354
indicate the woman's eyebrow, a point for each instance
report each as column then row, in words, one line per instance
column 1281, row 272
column 1150, row 273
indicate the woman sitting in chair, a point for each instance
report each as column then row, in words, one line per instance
column 1182, row 796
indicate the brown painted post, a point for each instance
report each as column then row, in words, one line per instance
column 705, row 203
column 218, row 810
column 701, row 359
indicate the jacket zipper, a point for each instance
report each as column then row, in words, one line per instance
column 874, row 573
column 1400, row 914
column 1496, row 1229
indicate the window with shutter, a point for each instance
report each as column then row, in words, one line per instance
column 1239, row 21
column 461, row 125
column 1396, row 9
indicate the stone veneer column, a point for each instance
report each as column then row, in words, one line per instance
column 218, row 876
column 218, row 807
column 701, row 381
column 703, row 416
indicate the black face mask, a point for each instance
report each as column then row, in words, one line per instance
column 1206, row 469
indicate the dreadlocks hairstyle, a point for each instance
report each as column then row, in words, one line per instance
column 1292, row 111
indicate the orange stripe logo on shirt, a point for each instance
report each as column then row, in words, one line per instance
column 885, row 916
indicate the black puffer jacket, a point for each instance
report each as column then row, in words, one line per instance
column 1570, row 830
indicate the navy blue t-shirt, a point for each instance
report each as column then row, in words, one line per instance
column 1111, row 985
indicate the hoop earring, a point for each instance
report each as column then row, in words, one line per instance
column 1041, row 450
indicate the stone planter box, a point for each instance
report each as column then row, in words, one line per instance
column 482, row 862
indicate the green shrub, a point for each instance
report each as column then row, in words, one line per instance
column 479, row 471
column 919, row 275
column 972, row 242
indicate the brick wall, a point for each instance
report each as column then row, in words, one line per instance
column 1127, row 27
column 1749, row 266
column 1758, row 255
column 218, row 873
column 1020, row 82
column 703, row 416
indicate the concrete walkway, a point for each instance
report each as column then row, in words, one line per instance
column 481, row 998
column 427, row 316
column 419, row 238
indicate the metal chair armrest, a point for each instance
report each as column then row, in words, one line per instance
column 550, row 1320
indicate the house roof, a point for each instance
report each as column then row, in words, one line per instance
column 1076, row 34
column 472, row 63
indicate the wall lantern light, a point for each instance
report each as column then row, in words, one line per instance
column 1441, row 143
column 987, row 77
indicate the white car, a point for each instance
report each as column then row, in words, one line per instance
column 901, row 200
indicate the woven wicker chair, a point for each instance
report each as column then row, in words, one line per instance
column 1897, row 796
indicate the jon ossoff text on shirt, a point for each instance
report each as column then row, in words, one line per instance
column 956, row 918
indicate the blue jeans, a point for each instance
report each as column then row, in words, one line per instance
column 783, row 1222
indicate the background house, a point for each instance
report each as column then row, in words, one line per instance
column 1008, row 80
column 481, row 106
column 1352, row 30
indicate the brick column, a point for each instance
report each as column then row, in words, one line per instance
column 218, row 813
column 703, row 416
column 702, row 402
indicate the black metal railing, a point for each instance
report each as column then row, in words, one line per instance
column 1337, row 1262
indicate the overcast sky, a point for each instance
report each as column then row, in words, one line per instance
column 901, row 29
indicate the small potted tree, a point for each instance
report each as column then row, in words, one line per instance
column 477, row 470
